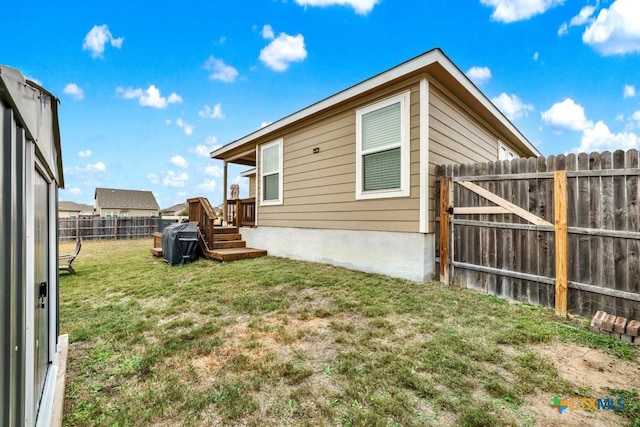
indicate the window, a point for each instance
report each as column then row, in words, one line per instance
column 73, row 214
column 506, row 153
column 271, row 173
column 113, row 214
column 382, row 149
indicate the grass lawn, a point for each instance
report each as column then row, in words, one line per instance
column 278, row 342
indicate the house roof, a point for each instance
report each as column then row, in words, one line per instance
column 125, row 199
column 175, row 208
column 434, row 63
column 73, row 207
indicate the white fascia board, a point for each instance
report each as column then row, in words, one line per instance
column 406, row 68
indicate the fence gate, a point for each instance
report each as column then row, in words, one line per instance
column 555, row 232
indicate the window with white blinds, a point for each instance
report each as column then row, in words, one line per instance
column 382, row 133
column 271, row 173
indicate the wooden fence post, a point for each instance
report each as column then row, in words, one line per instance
column 444, row 230
column 561, row 238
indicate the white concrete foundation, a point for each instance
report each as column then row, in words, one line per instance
column 404, row 255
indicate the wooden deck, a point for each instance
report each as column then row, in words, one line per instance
column 233, row 254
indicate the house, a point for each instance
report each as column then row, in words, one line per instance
column 31, row 352
column 111, row 202
column 68, row 209
column 350, row 179
column 179, row 209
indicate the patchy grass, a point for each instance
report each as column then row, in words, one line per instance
column 277, row 342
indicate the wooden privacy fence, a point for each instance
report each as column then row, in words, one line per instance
column 561, row 231
column 96, row 228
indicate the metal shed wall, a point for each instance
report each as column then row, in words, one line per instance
column 30, row 142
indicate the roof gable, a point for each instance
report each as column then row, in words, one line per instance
column 125, row 199
column 434, row 64
column 68, row 206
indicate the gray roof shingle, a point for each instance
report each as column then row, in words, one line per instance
column 125, row 199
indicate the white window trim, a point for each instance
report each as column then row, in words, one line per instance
column 279, row 201
column 508, row 150
column 404, row 190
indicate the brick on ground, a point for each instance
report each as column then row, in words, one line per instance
column 607, row 324
column 620, row 325
column 633, row 328
column 596, row 323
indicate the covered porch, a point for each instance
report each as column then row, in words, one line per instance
column 239, row 212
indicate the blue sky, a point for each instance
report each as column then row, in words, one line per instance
column 147, row 89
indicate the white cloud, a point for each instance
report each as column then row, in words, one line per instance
column 567, row 114
column 74, row 90
column 150, row 97
column 563, row 30
column 186, row 127
column 512, row 106
column 616, row 31
column 620, row 117
column 583, row 17
column 89, row 174
column 75, row 191
column 600, row 138
column 179, row 161
column 282, row 51
column 84, row 153
column 267, row 32
column 536, row 56
column 220, row 70
column 174, row 179
column 203, row 150
column 361, row 7
column 212, row 113
column 97, row 167
column 629, row 91
column 214, row 171
column 479, row 75
column 208, row 185
column 518, row 10
column 153, row 178
column 174, row 98
column 97, row 38
column 263, row 124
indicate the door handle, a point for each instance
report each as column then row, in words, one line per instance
column 42, row 293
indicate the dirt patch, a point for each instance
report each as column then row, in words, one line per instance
column 281, row 336
column 590, row 370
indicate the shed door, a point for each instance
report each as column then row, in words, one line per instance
column 41, row 277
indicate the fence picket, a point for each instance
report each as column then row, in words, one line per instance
column 605, row 195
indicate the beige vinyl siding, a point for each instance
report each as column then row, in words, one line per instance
column 456, row 136
column 130, row 212
column 252, row 186
column 319, row 189
column 67, row 214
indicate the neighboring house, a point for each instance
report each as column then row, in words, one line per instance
column 31, row 173
column 175, row 210
column 73, row 210
column 350, row 179
column 111, row 202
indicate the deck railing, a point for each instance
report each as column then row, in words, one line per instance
column 242, row 212
column 200, row 211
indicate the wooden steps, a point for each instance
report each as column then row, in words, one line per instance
column 156, row 252
column 233, row 254
column 229, row 246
